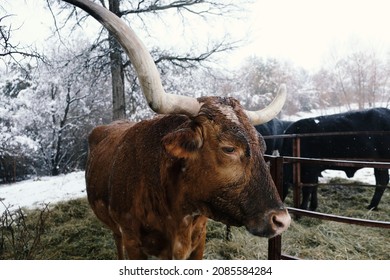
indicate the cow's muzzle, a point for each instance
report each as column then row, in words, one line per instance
column 273, row 223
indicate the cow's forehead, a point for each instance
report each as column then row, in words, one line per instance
column 228, row 107
column 229, row 113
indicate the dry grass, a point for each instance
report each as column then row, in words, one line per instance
column 242, row 245
column 309, row 238
column 314, row 239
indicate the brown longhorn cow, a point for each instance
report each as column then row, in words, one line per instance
column 156, row 182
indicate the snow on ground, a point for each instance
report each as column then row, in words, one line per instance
column 42, row 190
column 36, row 193
column 364, row 175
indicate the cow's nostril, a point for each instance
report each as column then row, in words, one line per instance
column 280, row 221
column 276, row 222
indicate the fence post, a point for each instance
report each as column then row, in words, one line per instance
column 275, row 243
column 297, row 173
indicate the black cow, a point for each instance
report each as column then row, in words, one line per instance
column 366, row 146
column 273, row 127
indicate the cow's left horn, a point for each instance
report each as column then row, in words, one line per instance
column 271, row 111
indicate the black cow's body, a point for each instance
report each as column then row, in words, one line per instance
column 369, row 146
column 273, row 127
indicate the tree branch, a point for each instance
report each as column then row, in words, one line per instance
column 8, row 49
column 186, row 61
column 155, row 6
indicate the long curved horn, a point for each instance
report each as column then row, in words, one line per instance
column 148, row 75
column 271, row 111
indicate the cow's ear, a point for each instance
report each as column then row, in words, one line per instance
column 184, row 142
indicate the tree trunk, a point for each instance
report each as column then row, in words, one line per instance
column 117, row 74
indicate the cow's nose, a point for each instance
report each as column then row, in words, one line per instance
column 280, row 220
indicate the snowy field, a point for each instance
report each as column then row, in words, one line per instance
column 40, row 191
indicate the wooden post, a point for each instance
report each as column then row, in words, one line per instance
column 297, row 186
column 275, row 243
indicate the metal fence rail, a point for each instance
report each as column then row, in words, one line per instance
column 341, row 219
column 277, row 162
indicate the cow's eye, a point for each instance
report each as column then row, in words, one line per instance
column 228, row 150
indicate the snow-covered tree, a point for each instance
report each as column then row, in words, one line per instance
column 15, row 141
column 51, row 110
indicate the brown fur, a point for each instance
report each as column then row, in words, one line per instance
column 154, row 183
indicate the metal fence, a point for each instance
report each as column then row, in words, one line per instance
column 277, row 163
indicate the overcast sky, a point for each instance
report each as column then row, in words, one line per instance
column 302, row 31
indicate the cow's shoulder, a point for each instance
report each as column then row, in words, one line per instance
column 112, row 130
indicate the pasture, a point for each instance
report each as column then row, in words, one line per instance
column 69, row 231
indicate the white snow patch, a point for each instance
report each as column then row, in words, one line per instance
column 364, row 175
column 38, row 192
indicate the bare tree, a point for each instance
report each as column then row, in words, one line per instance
column 361, row 77
column 355, row 75
column 10, row 50
column 140, row 11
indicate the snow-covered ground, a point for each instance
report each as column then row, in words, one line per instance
column 40, row 191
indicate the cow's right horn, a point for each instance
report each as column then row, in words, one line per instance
column 147, row 72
